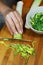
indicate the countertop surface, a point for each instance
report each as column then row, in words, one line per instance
column 6, row 55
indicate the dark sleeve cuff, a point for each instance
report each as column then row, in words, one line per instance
column 2, row 21
column 10, row 2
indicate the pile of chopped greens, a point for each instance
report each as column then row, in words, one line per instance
column 25, row 51
column 37, row 21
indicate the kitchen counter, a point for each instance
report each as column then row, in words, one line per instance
column 6, row 55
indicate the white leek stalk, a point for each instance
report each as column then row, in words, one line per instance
column 19, row 7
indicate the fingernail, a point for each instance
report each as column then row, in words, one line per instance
column 20, row 32
column 16, row 33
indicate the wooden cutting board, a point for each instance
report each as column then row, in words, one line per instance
column 6, row 55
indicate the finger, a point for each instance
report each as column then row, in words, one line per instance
column 11, row 24
column 19, row 18
column 15, row 22
column 9, row 28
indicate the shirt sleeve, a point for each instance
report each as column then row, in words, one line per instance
column 10, row 2
column 2, row 21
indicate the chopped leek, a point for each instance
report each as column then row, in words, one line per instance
column 17, row 36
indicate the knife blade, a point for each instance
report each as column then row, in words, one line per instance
column 23, row 40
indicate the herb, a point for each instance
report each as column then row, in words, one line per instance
column 24, row 50
column 37, row 21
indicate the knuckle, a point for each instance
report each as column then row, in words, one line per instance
column 7, row 16
column 14, row 11
column 10, row 13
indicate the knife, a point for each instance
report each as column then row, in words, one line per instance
column 23, row 40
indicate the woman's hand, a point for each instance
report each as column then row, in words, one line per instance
column 14, row 22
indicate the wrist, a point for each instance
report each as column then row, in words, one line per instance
column 6, row 12
column 4, row 9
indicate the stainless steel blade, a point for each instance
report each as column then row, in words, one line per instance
column 23, row 40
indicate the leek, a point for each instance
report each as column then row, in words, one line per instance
column 36, row 3
column 19, row 7
column 19, row 10
column 17, row 36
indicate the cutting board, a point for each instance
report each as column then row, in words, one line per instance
column 6, row 55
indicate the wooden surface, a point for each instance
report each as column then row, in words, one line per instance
column 6, row 55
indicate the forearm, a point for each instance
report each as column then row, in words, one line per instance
column 4, row 9
column 10, row 2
